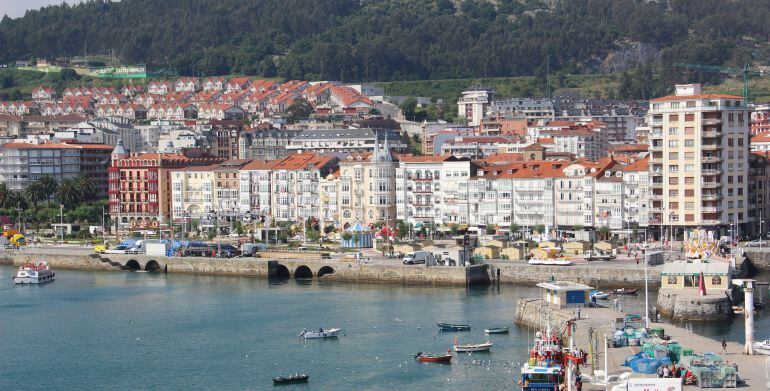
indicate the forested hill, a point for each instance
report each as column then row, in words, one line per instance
column 396, row 39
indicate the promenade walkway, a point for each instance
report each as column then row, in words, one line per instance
column 750, row 368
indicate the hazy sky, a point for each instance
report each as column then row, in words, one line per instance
column 16, row 8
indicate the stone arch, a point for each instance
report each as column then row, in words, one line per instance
column 133, row 264
column 303, row 272
column 152, row 266
column 325, row 270
column 281, row 272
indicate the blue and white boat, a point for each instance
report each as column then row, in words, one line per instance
column 453, row 327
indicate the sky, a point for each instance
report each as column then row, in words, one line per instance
column 16, row 8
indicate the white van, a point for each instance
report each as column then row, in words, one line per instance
column 417, row 257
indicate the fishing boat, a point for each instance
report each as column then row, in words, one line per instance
column 543, row 370
column 625, row 291
column 497, row 330
column 434, row 357
column 453, row 327
column 762, row 347
column 600, row 294
column 291, row 379
column 473, row 347
column 320, row 334
column 34, row 273
column 550, row 262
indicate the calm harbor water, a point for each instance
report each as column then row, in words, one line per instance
column 97, row 330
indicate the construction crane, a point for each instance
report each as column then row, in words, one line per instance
column 746, row 73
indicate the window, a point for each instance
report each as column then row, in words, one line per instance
column 689, row 155
column 689, row 193
column 689, row 143
column 673, row 168
column 689, row 217
column 689, row 205
column 672, row 280
column 689, row 117
column 730, row 141
column 740, row 142
column 716, row 280
column 673, row 193
column 689, row 130
column 690, row 104
column 673, row 130
column 672, row 144
column 689, row 180
column 673, row 180
column 688, row 167
column 673, row 156
column 673, row 205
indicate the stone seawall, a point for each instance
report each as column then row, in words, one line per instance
column 333, row 270
column 680, row 304
column 594, row 274
column 531, row 312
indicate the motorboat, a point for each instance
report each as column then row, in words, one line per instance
column 473, row 347
column 600, row 294
column 625, row 291
column 434, row 357
column 34, row 273
column 453, row 327
column 550, row 262
column 319, row 334
column 291, row 379
column 762, row 347
column 497, row 330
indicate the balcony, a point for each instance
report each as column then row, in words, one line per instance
column 710, row 197
column 656, row 197
column 711, row 159
column 710, row 133
column 710, row 121
column 654, row 147
column 710, row 147
column 710, row 171
column 710, row 209
column 710, row 184
column 711, row 222
column 656, row 185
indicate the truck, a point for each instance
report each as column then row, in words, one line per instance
column 598, row 255
column 157, row 248
column 419, row 257
column 251, row 249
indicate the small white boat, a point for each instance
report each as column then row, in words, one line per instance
column 34, row 273
column 319, row 334
column 762, row 347
column 550, row 262
column 473, row 347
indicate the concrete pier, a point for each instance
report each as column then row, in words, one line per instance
column 750, row 368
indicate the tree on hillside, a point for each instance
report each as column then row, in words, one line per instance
column 35, row 193
column 69, row 193
column 48, row 185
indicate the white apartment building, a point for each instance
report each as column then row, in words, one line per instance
column 473, row 104
column 636, row 194
column 433, row 189
column 295, row 186
column 699, row 147
column 479, row 102
column 192, row 192
column 255, row 187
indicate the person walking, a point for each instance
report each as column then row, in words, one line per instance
column 666, row 371
column 578, row 313
column 724, row 345
column 660, row 371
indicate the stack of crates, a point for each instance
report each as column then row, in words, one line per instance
column 730, row 376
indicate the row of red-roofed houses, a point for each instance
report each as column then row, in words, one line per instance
column 18, row 107
column 219, row 99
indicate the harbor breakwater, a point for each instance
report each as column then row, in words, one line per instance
column 599, row 275
column 327, row 269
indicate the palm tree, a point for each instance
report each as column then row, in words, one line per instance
column 69, row 192
column 86, row 186
column 48, row 186
column 4, row 194
column 35, row 193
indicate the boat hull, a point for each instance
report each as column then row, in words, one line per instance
column 280, row 380
column 31, row 280
column 453, row 327
column 447, row 359
column 624, row 291
column 326, row 334
column 472, row 348
column 500, row 330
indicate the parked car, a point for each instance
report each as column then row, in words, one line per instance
column 757, row 243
